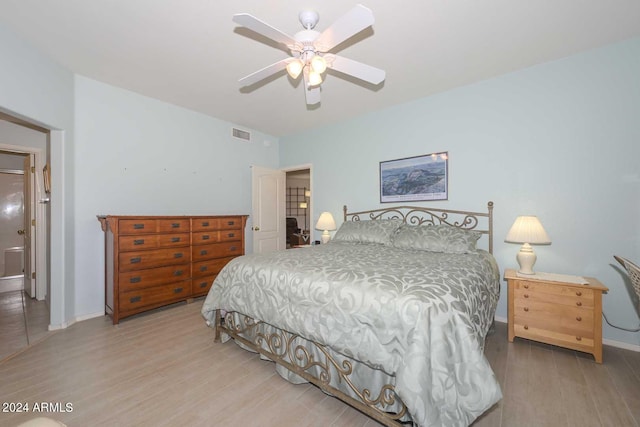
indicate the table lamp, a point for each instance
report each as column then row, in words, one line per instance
column 326, row 223
column 529, row 231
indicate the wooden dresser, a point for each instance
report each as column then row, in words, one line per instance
column 556, row 312
column 151, row 261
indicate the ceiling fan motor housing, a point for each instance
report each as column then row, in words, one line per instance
column 308, row 18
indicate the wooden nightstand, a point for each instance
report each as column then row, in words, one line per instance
column 555, row 311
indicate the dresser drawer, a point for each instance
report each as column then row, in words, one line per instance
column 137, row 226
column 575, row 342
column 138, row 279
column 216, row 250
column 159, row 295
column 139, row 260
column 209, row 267
column 174, row 225
column 206, row 237
column 152, row 241
column 565, row 295
column 201, row 285
column 221, row 223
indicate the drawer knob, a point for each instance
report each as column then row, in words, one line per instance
column 177, row 255
column 579, row 319
column 138, row 242
column 177, row 290
column 205, row 224
column 579, row 293
column 175, row 239
column 175, row 225
column 231, row 235
column 177, row 273
column 526, row 327
column 526, row 295
column 135, row 279
column 203, row 268
column 203, row 252
column 579, row 304
column 138, row 226
column 230, row 222
column 232, row 248
column 203, row 284
column 526, row 286
column 578, row 338
column 205, row 237
column 526, row 309
column 135, row 260
column 135, row 299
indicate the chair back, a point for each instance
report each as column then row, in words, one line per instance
column 634, row 272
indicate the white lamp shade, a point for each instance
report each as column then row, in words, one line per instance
column 314, row 78
column 318, row 64
column 294, row 68
column 528, row 229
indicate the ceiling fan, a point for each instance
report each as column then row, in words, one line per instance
column 309, row 50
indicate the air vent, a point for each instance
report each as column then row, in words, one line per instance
column 242, row 134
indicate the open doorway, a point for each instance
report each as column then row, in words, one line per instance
column 298, row 208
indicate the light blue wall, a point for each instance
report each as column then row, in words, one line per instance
column 137, row 155
column 559, row 140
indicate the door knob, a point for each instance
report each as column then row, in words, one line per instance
column 21, row 232
column 256, row 228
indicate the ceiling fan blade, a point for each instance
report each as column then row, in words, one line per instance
column 311, row 93
column 354, row 21
column 264, row 73
column 260, row 27
column 357, row 69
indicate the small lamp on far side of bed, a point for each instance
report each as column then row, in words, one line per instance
column 326, row 223
column 527, row 230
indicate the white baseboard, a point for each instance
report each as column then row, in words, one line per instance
column 612, row 343
column 65, row 325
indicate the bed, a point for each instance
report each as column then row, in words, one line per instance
column 390, row 316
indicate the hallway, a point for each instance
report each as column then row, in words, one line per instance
column 23, row 320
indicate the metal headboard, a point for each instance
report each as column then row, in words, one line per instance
column 417, row 215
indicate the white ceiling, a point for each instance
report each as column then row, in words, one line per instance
column 190, row 53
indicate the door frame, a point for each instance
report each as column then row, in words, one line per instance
column 39, row 207
column 309, row 167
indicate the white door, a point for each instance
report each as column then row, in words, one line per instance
column 29, row 227
column 268, row 203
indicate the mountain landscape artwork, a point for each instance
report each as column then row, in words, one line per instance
column 415, row 178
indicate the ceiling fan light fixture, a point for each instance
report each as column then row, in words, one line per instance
column 294, row 68
column 314, row 78
column 318, row 64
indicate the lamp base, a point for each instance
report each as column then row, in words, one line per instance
column 526, row 259
column 326, row 236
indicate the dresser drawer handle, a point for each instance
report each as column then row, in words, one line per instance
column 203, row 268
column 205, row 237
column 579, row 293
column 203, row 252
column 135, row 299
column 526, row 309
column 175, row 239
column 177, row 255
column 177, row 273
column 205, row 224
column 526, row 327
column 232, row 248
column 135, row 260
column 579, row 319
column 138, row 226
column 231, row 235
column 138, row 242
column 526, row 286
column 135, row 279
column 231, row 222
column 579, row 304
column 175, row 225
column 203, row 285
column 578, row 338
column 177, row 290
column 526, row 295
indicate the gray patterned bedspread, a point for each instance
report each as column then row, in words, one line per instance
column 420, row 316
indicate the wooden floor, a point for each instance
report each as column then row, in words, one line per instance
column 163, row 369
column 23, row 320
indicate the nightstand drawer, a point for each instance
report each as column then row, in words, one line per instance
column 575, row 342
column 565, row 295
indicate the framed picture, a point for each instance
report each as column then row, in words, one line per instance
column 415, row 179
column 46, row 174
